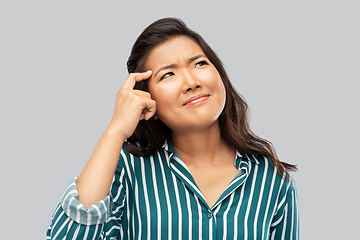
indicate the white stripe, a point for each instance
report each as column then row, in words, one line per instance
column 52, row 219
column 98, row 212
column 225, row 226
column 87, row 231
column 281, row 202
column 132, row 213
column 78, row 212
column 297, row 213
column 120, row 207
column 127, row 195
column 136, row 189
column 268, row 202
column 182, row 163
column 285, row 218
column 273, row 235
column 235, row 181
column 250, row 203
column 122, row 233
column 62, row 226
column 260, row 198
column 211, row 228
column 236, row 215
column 277, row 222
column 146, row 196
column 111, row 229
column 279, row 205
column 69, row 225
column 121, row 186
column 253, row 156
column 212, row 222
column 166, row 193
column 70, row 193
column 57, row 209
column 156, row 193
column 57, row 220
column 126, row 161
column 76, row 232
column 187, row 180
column 232, row 183
column 217, row 210
column 292, row 216
column 178, row 205
column 95, row 232
column 105, row 207
column 200, row 216
column 88, row 217
column 189, row 211
column 112, row 218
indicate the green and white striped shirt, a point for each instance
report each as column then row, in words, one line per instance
column 157, row 198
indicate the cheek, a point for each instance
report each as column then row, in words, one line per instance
column 222, row 87
column 164, row 95
column 215, row 82
column 219, row 87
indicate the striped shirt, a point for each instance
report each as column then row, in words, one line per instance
column 156, row 198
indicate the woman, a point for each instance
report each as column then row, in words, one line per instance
column 189, row 165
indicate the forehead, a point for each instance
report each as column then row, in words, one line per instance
column 172, row 51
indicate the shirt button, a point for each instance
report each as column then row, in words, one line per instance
column 210, row 214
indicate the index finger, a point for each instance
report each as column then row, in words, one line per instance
column 133, row 78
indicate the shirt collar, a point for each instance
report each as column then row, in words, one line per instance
column 168, row 146
column 239, row 156
column 242, row 157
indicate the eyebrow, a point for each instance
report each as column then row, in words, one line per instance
column 174, row 65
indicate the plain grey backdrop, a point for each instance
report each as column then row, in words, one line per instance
column 295, row 62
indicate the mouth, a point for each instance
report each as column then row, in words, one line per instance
column 196, row 99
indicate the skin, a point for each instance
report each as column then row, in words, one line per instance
column 94, row 182
column 190, row 74
column 186, row 72
column 187, row 94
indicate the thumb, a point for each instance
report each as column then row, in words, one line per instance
column 150, row 112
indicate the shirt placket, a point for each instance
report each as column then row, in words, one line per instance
column 181, row 171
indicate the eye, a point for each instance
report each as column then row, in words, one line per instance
column 201, row 63
column 166, row 75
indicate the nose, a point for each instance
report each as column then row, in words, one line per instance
column 190, row 82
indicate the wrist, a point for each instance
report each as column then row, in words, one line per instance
column 114, row 134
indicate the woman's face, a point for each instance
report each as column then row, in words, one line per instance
column 187, row 88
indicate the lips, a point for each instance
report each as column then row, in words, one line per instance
column 196, row 99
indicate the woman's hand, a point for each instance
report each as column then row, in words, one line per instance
column 131, row 106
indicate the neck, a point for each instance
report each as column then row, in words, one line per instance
column 201, row 147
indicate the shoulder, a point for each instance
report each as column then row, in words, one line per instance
column 264, row 170
column 260, row 163
column 130, row 161
column 126, row 156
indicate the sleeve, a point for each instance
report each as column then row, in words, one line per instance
column 285, row 223
column 72, row 220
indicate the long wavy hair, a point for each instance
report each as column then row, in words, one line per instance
column 150, row 135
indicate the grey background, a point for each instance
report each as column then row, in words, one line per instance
column 296, row 63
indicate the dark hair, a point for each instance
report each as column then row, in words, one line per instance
column 150, row 135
